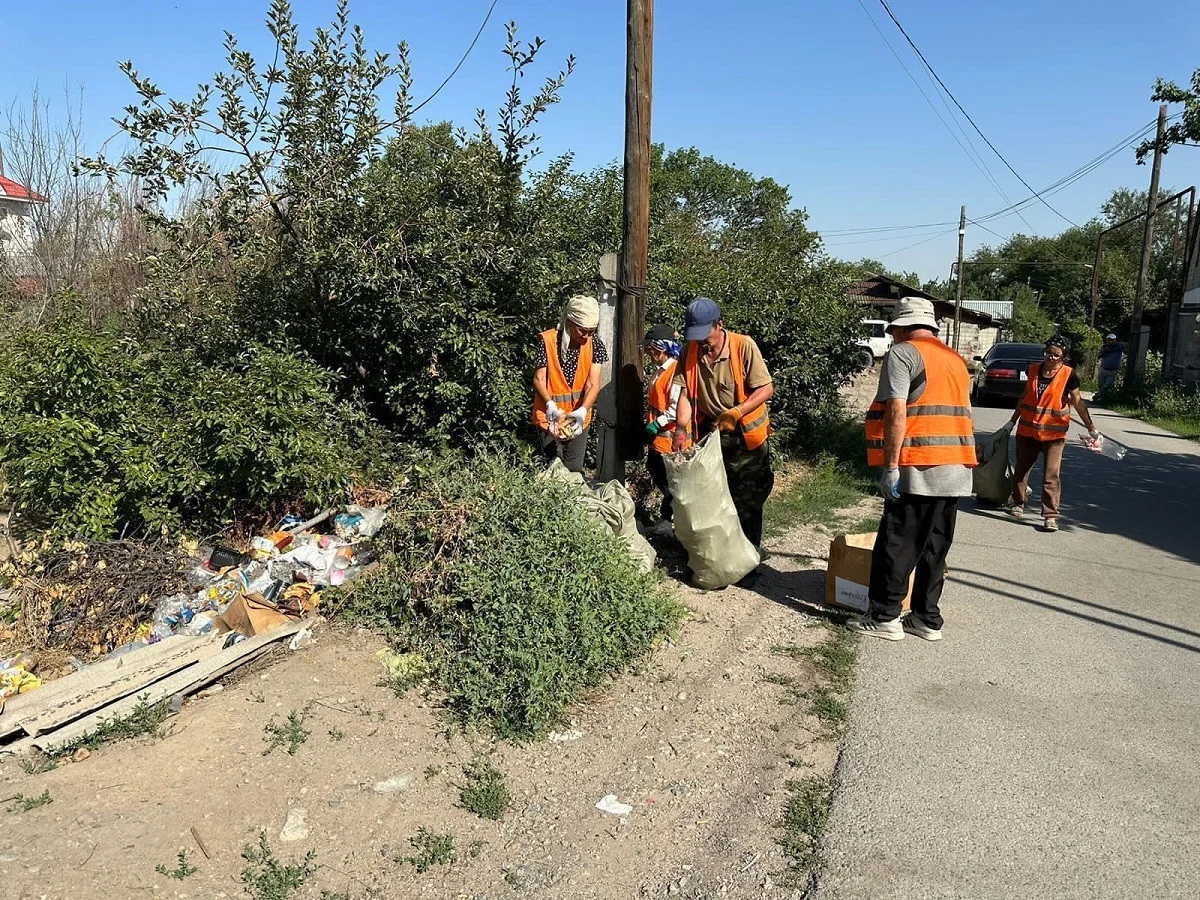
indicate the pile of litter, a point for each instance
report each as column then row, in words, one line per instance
column 278, row 581
column 237, row 605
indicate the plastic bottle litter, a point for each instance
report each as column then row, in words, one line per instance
column 1104, row 446
column 172, row 614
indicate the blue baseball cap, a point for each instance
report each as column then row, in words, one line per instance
column 702, row 315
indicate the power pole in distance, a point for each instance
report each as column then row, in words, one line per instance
column 635, row 240
column 1137, row 356
column 962, row 234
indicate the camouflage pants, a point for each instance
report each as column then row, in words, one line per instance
column 750, row 481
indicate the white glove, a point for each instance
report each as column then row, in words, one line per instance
column 889, row 484
column 553, row 413
column 1094, row 434
column 579, row 415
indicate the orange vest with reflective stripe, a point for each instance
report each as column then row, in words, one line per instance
column 938, row 430
column 658, row 401
column 566, row 396
column 1040, row 418
column 755, row 425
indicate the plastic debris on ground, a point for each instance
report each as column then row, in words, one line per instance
column 610, row 804
column 280, row 579
column 15, row 678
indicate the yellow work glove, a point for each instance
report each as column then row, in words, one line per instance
column 728, row 420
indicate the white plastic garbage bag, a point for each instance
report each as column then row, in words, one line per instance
column 992, row 478
column 611, row 504
column 706, row 521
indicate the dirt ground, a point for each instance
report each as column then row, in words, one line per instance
column 698, row 742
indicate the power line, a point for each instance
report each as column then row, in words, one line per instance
column 1061, row 184
column 972, row 155
column 454, row 71
column 918, row 243
column 966, row 115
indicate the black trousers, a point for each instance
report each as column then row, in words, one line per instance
column 658, row 475
column 572, row 452
column 915, row 533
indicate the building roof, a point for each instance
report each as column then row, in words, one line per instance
column 882, row 292
column 11, row 190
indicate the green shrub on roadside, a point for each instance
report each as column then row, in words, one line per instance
column 518, row 600
column 102, row 434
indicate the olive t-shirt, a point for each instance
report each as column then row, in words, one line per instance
column 715, row 381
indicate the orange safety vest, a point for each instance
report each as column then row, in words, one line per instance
column 755, row 425
column 658, row 400
column 938, row 430
column 565, row 396
column 1039, row 419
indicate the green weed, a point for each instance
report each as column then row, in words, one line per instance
column 804, row 818
column 509, row 633
column 485, row 792
column 829, row 708
column 182, row 869
column 39, row 765
column 432, row 771
column 837, row 657
column 144, row 719
column 814, row 498
column 432, row 849
column 336, row 734
column 266, row 878
column 21, row 803
column 289, row 734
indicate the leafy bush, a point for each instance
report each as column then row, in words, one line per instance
column 1173, row 406
column 518, row 600
column 101, row 434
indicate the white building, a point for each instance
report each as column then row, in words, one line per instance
column 16, row 227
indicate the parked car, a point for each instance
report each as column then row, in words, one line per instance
column 1003, row 372
column 876, row 344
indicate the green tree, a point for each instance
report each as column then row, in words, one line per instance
column 1187, row 130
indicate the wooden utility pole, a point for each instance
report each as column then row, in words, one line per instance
column 1137, row 355
column 635, row 239
column 962, row 234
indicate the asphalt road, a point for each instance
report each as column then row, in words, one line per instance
column 1049, row 746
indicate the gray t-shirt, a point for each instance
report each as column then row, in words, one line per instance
column 902, row 377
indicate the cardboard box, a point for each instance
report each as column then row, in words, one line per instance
column 849, row 572
column 250, row 614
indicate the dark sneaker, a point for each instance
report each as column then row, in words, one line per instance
column 889, row 630
column 914, row 626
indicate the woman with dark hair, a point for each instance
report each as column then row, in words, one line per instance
column 1043, row 418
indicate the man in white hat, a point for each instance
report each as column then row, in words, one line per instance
column 566, row 381
column 920, row 433
column 1110, row 364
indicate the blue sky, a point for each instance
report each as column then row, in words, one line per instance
column 805, row 92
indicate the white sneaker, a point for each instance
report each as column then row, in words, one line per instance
column 1051, row 524
column 914, row 626
column 890, row 630
column 662, row 528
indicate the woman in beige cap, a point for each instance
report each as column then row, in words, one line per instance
column 566, row 381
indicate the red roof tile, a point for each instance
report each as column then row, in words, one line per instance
column 9, row 188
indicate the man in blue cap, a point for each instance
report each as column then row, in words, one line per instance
column 726, row 387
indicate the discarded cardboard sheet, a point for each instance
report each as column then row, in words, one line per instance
column 250, row 614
